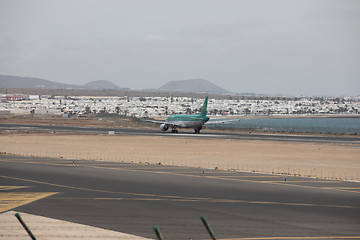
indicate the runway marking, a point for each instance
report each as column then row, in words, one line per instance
column 270, row 238
column 171, row 198
column 70, row 164
column 94, row 190
column 282, row 183
column 10, row 200
column 234, row 178
column 5, row 188
column 262, row 176
column 54, row 164
column 292, row 181
column 189, row 199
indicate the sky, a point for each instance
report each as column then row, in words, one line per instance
column 298, row 47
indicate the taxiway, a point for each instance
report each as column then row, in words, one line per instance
column 132, row 198
column 184, row 132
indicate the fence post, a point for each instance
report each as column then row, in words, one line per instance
column 208, row 228
column 17, row 215
column 158, row 233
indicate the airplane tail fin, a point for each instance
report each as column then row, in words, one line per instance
column 204, row 107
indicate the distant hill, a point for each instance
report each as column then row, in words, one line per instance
column 29, row 82
column 193, row 85
column 7, row 81
column 186, row 86
column 100, row 85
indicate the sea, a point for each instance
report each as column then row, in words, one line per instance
column 332, row 125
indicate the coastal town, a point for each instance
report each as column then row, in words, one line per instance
column 153, row 107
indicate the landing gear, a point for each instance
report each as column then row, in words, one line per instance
column 197, row 129
column 174, row 130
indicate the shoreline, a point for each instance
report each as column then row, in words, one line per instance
column 120, row 122
column 289, row 116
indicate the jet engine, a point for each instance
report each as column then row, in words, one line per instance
column 164, row 127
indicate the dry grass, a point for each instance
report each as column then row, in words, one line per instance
column 307, row 159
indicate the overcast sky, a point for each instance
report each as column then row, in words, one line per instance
column 291, row 47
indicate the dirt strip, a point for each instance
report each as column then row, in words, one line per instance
column 323, row 160
column 53, row 229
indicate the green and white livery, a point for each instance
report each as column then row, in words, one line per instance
column 186, row 121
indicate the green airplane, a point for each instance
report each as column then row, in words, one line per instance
column 186, row 121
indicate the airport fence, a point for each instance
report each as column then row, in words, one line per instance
column 243, row 165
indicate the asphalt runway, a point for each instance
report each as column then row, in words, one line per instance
column 184, row 132
column 132, row 198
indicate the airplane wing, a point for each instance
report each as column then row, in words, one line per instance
column 218, row 121
column 163, row 122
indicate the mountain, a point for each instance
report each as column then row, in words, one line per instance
column 29, row 82
column 7, row 81
column 193, row 85
column 100, row 85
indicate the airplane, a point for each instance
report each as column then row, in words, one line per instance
column 185, row 121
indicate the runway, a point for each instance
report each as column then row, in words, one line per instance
column 184, row 132
column 132, row 198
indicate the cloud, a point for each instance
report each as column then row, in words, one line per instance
column 153, row 37
column 246, row 46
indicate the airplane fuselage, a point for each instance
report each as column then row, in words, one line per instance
column 188, row 121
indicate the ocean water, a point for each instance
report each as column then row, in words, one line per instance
column 339, row 125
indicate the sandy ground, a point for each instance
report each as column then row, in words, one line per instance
column 323, row 160
column 53, row 229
